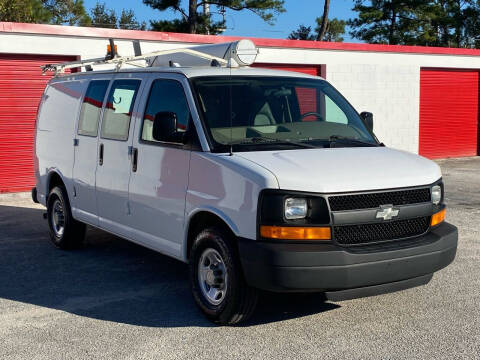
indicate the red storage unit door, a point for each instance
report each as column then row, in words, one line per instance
column 307, row 97
column 316, row 70
column 448, row 113
column 21, row 87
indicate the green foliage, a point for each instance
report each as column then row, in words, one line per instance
column 103, row 17
column 194, row 21
column 335, row 30
column 71, row 12
column 28, row 11
column 302, row 33
column 204, row 25
column 128, row 21
column 454, row 23
column 108, row 18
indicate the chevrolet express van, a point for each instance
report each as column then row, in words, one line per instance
column 258, row 179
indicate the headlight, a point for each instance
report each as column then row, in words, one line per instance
column 295, row 208
column 436, row 194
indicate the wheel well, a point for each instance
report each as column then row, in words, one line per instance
column 53, row 181
column 203, row 220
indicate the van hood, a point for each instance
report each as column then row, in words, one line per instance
column 345, row 169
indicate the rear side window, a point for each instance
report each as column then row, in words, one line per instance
column 92, row 107
column 118, row 111
column 165, row 96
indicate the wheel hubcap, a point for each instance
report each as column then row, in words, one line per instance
column 212, row 276
column 58, row 218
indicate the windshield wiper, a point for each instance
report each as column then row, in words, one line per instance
column 344, row 139
column 267, row 140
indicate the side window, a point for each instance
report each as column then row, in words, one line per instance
column 118, row 111
column 333, row 113
column 92, row 107
column 165, row 96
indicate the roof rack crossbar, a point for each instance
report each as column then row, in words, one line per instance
column 120, row 60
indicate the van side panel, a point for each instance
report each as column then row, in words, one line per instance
column 55, row 133
column 229, row 187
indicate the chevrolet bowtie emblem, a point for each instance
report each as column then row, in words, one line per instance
column 387, row 212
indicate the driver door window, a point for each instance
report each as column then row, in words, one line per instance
column 165, row 96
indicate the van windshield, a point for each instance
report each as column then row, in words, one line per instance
column 261, row 112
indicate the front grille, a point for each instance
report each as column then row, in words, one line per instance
column 374, row 200
column 378, row 232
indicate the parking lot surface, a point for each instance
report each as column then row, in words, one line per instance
column 117, row 300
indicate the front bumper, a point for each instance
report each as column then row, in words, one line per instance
column 344, row 273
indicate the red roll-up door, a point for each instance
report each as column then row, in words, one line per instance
column 21, row 87
column 316, row 70
column 448, row 113
column 306, row 96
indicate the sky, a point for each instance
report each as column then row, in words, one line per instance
column 245, row 23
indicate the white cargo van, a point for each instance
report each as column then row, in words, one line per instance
column 258, row 179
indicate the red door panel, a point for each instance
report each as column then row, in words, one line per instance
column 448, row 113
column 307, row 97
column 315, row 70
column 21, row 87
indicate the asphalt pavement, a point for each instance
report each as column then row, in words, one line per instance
column 116, row 300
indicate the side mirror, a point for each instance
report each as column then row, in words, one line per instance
column 165, row 128
column 367, row 118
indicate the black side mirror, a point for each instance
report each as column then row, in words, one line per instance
column 367, row 118
column 165, row 128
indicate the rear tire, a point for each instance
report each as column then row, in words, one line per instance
column 217, row 281
column 65, row 231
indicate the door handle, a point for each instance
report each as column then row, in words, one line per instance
column 100, row 155
column 134, row 159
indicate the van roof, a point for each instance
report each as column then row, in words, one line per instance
column 191, row 72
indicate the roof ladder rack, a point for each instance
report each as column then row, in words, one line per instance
column 234, row 54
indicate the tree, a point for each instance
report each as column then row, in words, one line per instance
column 71, row 12
column 322, row 29
column 128, row 21
column 28, row 11
column 302, row 33
column 383, row 21
column 103, row 17
column 107, row 18
column 194, row 22
column 334, row 31
column 452, row 23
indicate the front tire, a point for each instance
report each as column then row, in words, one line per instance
column 65, row 231
column 217, row 281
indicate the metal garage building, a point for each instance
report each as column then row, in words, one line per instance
column 425, row 100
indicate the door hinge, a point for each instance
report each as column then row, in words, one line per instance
column 75, row 142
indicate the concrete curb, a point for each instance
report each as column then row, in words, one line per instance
column 13, row 196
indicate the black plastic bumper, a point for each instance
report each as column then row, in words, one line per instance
column 345, row 273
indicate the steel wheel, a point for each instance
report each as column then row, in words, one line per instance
column 212, row 276
column 58, row 218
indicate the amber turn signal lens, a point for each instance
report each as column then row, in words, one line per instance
column 438, row 217
column 295, row 232
column 109, row 49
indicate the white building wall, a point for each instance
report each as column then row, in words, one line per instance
column 386, row 84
